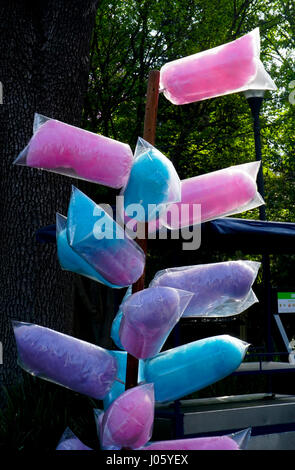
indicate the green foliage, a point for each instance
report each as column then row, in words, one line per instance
column 133, row 37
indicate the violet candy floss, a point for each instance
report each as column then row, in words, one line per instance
column 219, row 289
column 64, row 360
column 148, row 318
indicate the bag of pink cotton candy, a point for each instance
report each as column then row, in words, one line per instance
column 68, row 150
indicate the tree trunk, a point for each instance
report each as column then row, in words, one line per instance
column 44, row 49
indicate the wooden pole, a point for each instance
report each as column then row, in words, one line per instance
column 149, row 134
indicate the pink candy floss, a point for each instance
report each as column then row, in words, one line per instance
column 75, row 152
column 128, row 422
column 220, row 193
column 198, row 443
column 225, row 69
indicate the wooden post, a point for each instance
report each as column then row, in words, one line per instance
column 149, row 134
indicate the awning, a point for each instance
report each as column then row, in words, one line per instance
column 229, row 234
column 250, row 236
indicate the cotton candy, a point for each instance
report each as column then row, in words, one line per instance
column 220, row 193
column 185, row 369
column 65, row 360
column 153, row 182
column 128, row 422
column 99, row 240
column 229, row 68
column 148, row 317
column 70, row 260
column 104, row 443
column 220, row 289
column 118, row 386
column 236, row 441
column 201, row 443
column 75, row 152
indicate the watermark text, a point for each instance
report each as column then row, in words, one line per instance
column 180, row 221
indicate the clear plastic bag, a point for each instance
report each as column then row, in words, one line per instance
column 69, row 260
column 68, row 150
column 220, row 193
column 234, row 441
column 183, row 370
column 153, row 182
column 118, row 386
column 241, row 437
column 230, row 68
column 220, row 289
column 104, row 444
column 95, row 236
column 75, row 364
column 69, row 441
column 117, row 321
column 128, row 422
column 148, row 317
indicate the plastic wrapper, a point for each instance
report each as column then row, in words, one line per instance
column 220, row 193
column 185, row 369
column 242, row 437
column 118, row 386
column 235, row 441
column 229, row 68
column 153, row 182
column 104, row 445
column 148, row 317
column 71, row 151
column 69, row 441
column 64, row 360
column 128, row 422
column 99, row 240
column 117, row 321
column 69, row 260
column 220, row 289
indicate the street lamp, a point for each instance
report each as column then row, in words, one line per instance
column 255, row 100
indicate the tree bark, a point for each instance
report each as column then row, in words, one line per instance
column 44, row 49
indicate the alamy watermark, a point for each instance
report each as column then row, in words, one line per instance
column 1, row 93
column 1, row 353
column 181, row 221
